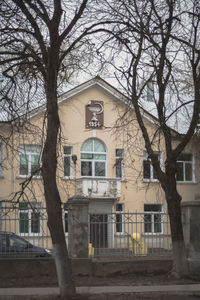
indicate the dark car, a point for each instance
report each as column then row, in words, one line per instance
column 13, row 245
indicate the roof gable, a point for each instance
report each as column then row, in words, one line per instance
column 105, row 87
column 99, row 83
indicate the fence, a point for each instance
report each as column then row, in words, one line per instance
column 29, row 224
column 130, row 234
column 117, row 234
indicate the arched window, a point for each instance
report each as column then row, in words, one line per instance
column 93, row 158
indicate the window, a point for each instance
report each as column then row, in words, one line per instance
column 119, row 154
column 148, row 171
column 185, row 167
column 66, row 219
column 153, row 218
column 68, row 164
column 150, row 91
column 17, row 243
column 3, row 241
column 29, row 160
column 30, row 218
column 93, row 158
column 119, row 218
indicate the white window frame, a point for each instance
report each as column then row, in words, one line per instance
column 120, row 213
column 93, row 161
column 29, row 153
column 152, row 214
column 29, row 210
column 121, row 163
column 71, row 162
column 145, row 158
column 184, row 162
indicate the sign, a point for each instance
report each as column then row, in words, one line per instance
column 94, row 114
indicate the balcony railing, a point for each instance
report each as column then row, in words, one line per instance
column 99, row 187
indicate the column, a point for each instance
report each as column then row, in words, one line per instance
column 78, row 226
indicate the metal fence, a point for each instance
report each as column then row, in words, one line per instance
column 130, row 234
column 116, row 234
column 24, row 231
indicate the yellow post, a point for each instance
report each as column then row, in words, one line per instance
column 90, row 250
column 140, row 248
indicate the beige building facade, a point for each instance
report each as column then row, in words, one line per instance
column 101, row 155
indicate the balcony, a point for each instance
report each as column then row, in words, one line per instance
column 98, row 187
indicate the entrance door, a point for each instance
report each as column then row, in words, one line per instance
column 99, row 230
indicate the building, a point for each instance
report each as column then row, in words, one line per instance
column 101, row 156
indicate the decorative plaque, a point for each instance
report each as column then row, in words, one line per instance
column 94, row 114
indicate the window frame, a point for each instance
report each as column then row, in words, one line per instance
column 70, row 162
column 121, row 222
column 29, row 209
column 184, row 162
column 152, row 172
column 94, row 161
column 29, row 154
column 121, row 163
column 150, row 91
column 153, row 223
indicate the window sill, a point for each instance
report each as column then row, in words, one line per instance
column 25, row 177
column 121, row 179
column 186, row 182
column 93, row 177
column 150, row 180
column 121, row 233
column 148, row 234
column 67, row 178
column 31, row 234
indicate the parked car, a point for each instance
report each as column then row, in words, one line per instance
column 14, row 245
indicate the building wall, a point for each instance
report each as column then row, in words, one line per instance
column 134, row 190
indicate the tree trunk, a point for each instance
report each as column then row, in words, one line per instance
column 62, row 262
column 180, row 265
column 52, row 197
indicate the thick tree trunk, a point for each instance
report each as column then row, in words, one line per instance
column 52, row 197
column 62, row 262
column 180, row 265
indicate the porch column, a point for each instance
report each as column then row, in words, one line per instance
column 78, row 226
column 191, row 229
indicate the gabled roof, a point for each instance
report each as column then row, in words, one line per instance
column 98, row 82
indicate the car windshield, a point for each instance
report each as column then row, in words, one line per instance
column 2, row 240
column 18, row 243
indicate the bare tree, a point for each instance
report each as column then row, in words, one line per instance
column 155, row 46
column 41, row 44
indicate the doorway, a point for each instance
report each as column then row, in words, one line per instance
column 99, row 230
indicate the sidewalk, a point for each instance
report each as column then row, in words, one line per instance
column 189, row 289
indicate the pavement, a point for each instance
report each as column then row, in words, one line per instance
column 189, row 289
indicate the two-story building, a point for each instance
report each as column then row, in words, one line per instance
column 101, row 155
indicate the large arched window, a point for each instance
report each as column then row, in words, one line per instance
column 93, row 158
